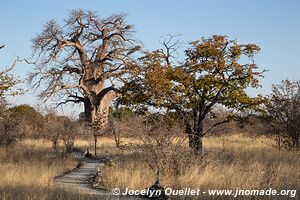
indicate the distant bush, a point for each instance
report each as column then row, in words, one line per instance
column 7, row 127
column 284, row 114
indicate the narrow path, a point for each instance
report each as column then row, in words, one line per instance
column 77, row 180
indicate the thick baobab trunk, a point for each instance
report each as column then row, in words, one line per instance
column 88, row 108
column 96, row 113
column 100, row 112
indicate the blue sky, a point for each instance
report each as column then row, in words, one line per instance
column 273, row 25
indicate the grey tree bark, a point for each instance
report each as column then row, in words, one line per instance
column 82, row 61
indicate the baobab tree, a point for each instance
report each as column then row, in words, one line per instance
column 215, row 71
column 81, row 61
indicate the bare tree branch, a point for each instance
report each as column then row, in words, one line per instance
column 81, row 56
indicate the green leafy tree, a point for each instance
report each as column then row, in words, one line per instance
column 30, row 122
column 7, row 81
column 215, row 71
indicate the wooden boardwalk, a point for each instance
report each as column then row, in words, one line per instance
column 77, row 180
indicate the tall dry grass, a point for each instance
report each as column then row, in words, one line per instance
column 230, row 162
column 28, row 168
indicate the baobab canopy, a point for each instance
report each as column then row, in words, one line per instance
column 81, row 60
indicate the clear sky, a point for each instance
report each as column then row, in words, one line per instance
column 272, row 24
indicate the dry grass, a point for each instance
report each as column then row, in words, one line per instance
column 28, row 169
column 231, row 162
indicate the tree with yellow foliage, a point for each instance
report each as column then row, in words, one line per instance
column 215, row 71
